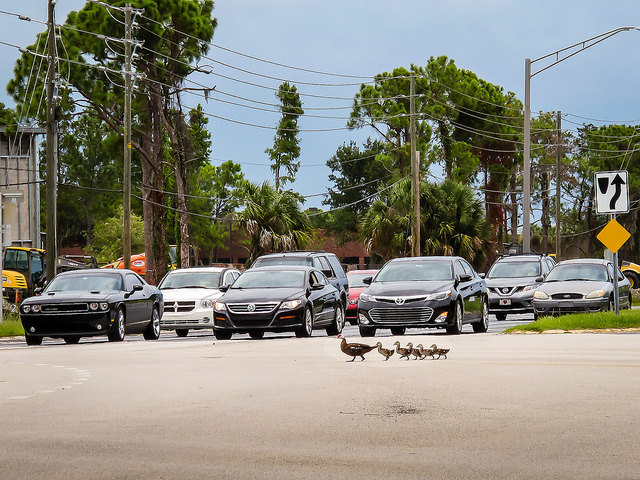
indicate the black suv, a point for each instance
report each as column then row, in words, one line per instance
column 327, row 263
column 511, row 281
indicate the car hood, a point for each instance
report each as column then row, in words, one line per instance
column 573, row 286
column 257, row 295
column 72, row 297
column 407, row 289
column 510, row 282
column 178, row 294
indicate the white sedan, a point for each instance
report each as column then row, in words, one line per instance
column 189, row 295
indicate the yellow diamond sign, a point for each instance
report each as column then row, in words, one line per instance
column 613, row 236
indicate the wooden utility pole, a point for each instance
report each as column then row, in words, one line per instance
column 415, row 173
column 126, row 184
column 558, row 172
column 51, row 255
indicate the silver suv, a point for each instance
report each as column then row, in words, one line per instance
column 511, row 281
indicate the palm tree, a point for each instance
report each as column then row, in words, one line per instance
column 273, row 221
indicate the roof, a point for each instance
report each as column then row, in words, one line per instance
column 595, row 261
column 202, row 269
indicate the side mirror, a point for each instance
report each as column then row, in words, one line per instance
column 317, row 286
column 539, row 280
column 367, row 280
column 465, row 277
column 224, row 288
column 136, row 288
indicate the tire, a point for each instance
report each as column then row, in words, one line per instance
column 153, row 330
column 483, row 325
column 367, row 331
column 338, row 321
column 182, row 332
column 307, row 326
column 501, row 316
column 31, row 340
column 612, row 305
column 117, row 335
column 72, row 339
column 257, row 334
column 456, row 328
column 633, row 277
column 222, row 334
column 398, row 330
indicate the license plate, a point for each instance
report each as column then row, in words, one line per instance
column 505, row 301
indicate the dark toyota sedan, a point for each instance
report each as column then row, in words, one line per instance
column 419, row 292
column 84, row 303
column 276, row 299
column 581, row 286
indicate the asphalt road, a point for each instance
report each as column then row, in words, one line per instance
column 500, row 407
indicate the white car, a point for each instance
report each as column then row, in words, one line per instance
column 189, row 295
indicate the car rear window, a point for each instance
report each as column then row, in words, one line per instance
column 271, row 261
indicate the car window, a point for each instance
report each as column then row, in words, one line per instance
column 130, row 280
column 355, row 279
column 317, row 277
column 514, row 269
column 467, row 268
column 229, row 277
column 459, row 269
column 324, row 265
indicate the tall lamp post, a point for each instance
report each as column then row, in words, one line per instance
column 555, row 58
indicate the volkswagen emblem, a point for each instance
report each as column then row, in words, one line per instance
column 251, row 307
column 399, row 301
column 175, row 307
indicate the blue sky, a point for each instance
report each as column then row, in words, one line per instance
column 356, row 38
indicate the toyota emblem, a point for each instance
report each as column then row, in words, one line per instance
column 399, row 301
column 251, row 307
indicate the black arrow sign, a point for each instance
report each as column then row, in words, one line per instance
column 617, row 182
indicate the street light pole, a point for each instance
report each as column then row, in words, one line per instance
column 560, row 56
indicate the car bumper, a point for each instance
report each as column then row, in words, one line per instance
column 351, row 313
column 85, row 324
column 242, row 323
column 385, row 315
column 195, row 319
column 513, row 304
column 561, row 307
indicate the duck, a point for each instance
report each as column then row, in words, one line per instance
column 403, row 352
column 440, row 351
column 425, row 352
column 354, row 349
column 415, row 351
column 385, row 352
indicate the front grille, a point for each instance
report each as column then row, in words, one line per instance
column 64, row 307
column 501, row 290
column 401, row 300
column 401, row 315
column 566, row 296
column 267, row 307
column 179, row 307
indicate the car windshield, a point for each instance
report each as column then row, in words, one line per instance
column 188, row 279
column 270, row 279
column 355, row 279
column 85, row 283
column 274, row 261
column 514, row 269
column 578, row 271
column 419, row 271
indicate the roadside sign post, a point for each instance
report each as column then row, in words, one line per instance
column 612, row 197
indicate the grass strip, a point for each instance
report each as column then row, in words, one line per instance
column 582, row 321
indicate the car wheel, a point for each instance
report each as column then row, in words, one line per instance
column 257, row 334
column 222, row 334
column 72, row 339
column 456, row 328
column 501, row 316
column 117, row 333
column 338, row 321
column 367, row 331
column 612, row 305
column 182, row 332
column 153, row 330
column 398, row 330
column 483, row 325
column 633, row 279
column 31, row 340
column 307, row 326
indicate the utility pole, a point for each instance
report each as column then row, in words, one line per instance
column 126, row 184
column 558, row 165
column 51, row 255
column 415, row 173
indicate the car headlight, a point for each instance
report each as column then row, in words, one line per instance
column 291, row 304
column 365, row 297
column 104, row 306
column 353, row 301
column 206, row 303
column 596, row 294
column 528, row 288
column 26, row 308
column 538, row 295
column 93, row 306
column 438, row 295
column 220, row 307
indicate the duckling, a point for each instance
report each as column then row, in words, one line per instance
column 415, row 351
column 425, row 352
column 385, row 352
column 354, row 349
column 403, row 352
column 440, row 351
